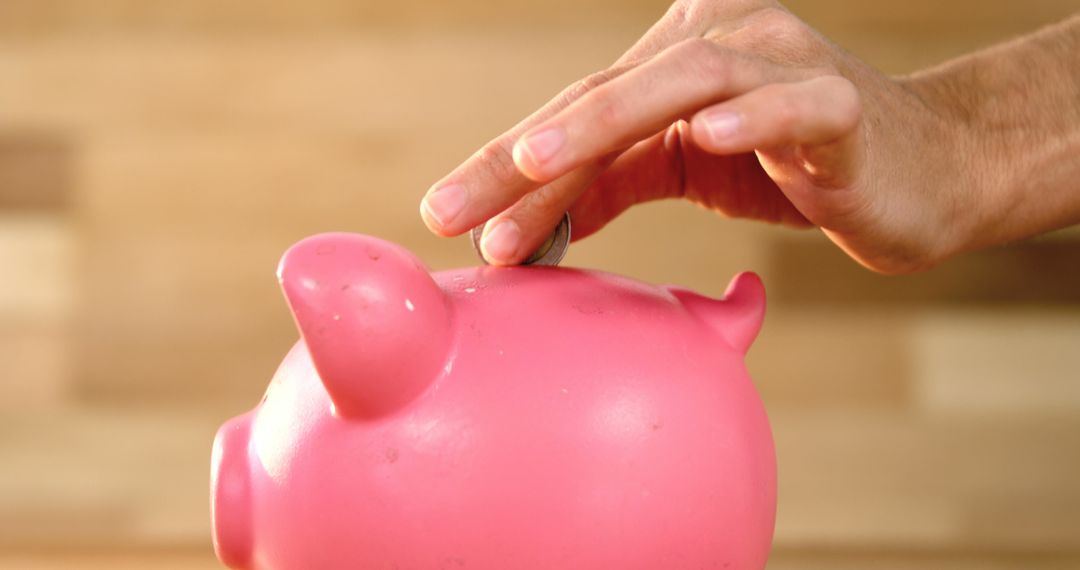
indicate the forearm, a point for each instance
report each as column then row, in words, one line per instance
column 1016, row 107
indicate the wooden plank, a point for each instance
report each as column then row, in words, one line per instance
column 903, row 480
column 34, row 365
column 848, row 478
column 27, row 16
column 36, row 171
column 37, row 253
column 942, row 559
column 834, row 359
column 204, row 152
column 114, row 476
column 1002, row 363
column 199, row 558
column 1039, row 273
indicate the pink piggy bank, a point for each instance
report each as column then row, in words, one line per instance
column 498, row 419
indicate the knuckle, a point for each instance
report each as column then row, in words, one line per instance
column 699, row 49
column 587, row 84
column 572, row 93
column 608, row 109
column 497, row 163
column 709, row 60
column 545, row 202
column 687, row 14
column 777, row 22
column 784, row 36
column 773, row 17
column 680, row 14
column 596, row 79
column 848, row 99
column 840, row 100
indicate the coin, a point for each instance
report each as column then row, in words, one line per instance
column 550, row 252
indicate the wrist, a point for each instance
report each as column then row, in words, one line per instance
column 1011, row 112
column 980, row 190
column 959, row 163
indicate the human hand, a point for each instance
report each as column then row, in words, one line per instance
column 742, row 108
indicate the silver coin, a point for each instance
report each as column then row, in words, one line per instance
column 550, row 252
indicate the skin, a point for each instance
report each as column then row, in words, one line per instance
column 740, row 107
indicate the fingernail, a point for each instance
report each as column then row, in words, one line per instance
column 542, row 146
column 445, row 203
column 501, row 243
column 722, row 125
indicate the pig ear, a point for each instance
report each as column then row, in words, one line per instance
column 376, row 325
column 738, row 316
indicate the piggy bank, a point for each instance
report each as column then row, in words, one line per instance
column 498, row 418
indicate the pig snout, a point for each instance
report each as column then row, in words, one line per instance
column 230, row 493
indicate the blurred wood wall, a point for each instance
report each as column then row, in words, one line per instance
column 157, row 157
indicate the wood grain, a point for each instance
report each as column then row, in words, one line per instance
column 157, row 157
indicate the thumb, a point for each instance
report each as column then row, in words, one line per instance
column 646, row 171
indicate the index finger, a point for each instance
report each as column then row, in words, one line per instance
column 680, row 81
column 489, row 182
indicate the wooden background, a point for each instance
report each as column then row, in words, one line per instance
column 157, row 157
